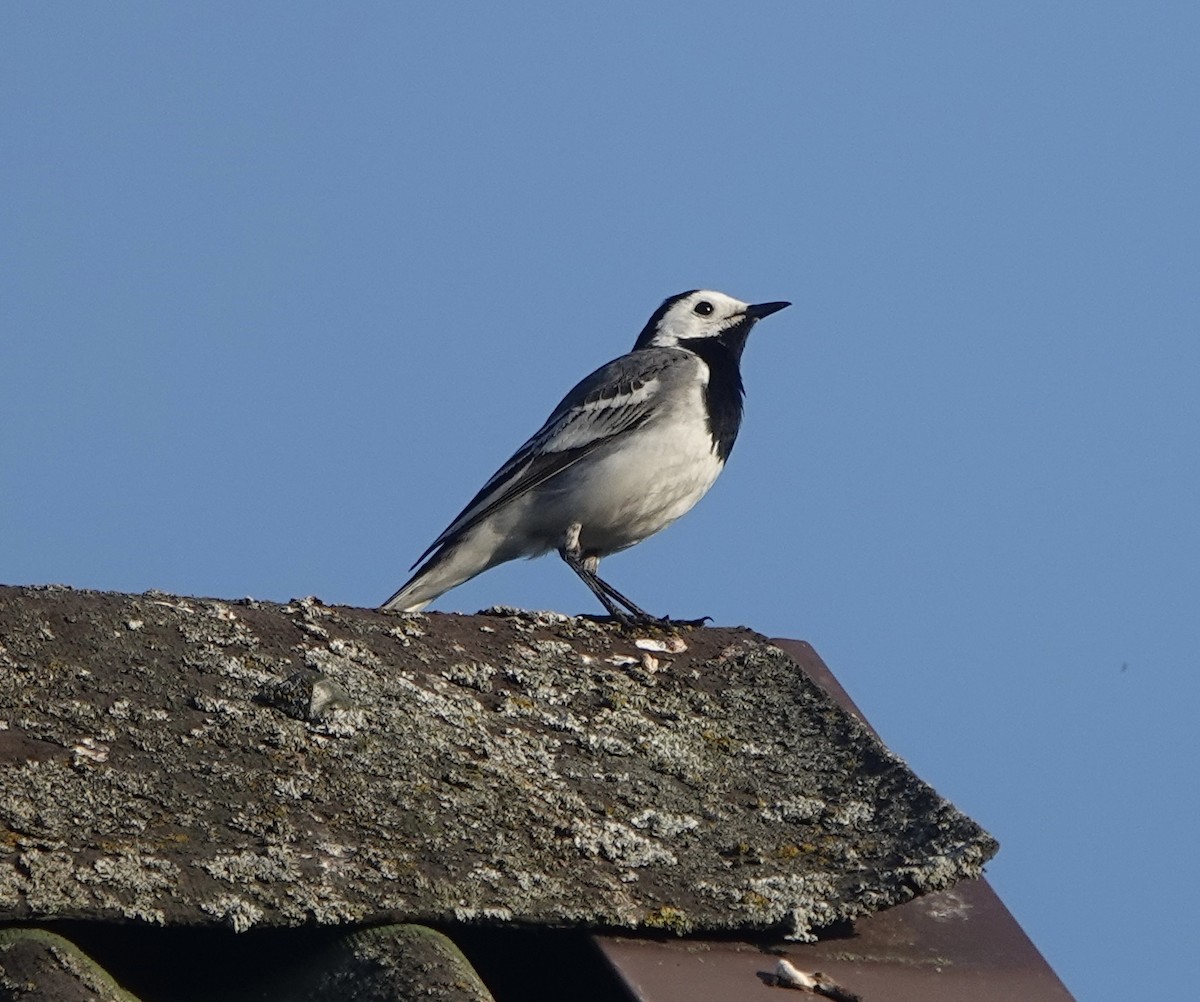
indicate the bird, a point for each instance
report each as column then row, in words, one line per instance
column 630, row 449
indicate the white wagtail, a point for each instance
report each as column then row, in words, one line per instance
column 627, row 452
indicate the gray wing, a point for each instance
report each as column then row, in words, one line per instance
column 613, row 400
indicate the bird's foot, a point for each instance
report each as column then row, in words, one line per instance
column 646, row 621
column 702, row 621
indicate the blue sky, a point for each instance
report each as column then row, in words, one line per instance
column 281, row 284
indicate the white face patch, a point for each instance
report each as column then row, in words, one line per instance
column 702, row 314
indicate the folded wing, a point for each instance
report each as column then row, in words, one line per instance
column 614, row 400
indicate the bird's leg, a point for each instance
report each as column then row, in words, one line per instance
column 639, row 614
column 570, row 553
column 585, row 567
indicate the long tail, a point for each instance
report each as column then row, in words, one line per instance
column 453, row 564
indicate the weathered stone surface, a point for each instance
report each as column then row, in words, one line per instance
column 181, row 760
column 40, row 966
column 384, row 964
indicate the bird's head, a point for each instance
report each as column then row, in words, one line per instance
column 699, row 314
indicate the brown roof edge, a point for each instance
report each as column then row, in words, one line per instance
column 962, row 943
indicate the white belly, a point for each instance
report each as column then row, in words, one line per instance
column 642, row 489
column 622, row 495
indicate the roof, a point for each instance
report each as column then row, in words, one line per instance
column 196, row 762
column 200, row 764
column 955, row 944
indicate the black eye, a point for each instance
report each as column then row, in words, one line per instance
column 704, row 308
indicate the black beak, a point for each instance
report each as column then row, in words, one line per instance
column 760, row 310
